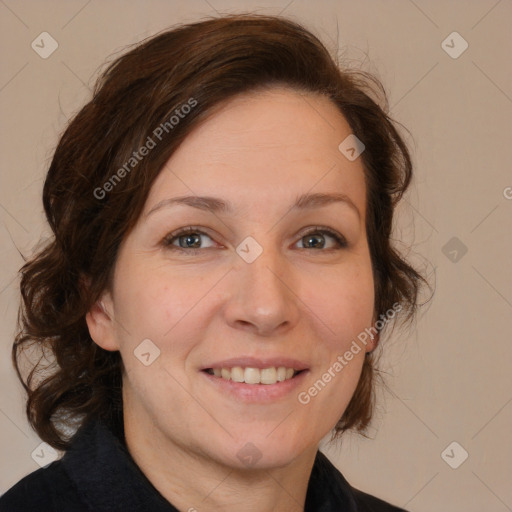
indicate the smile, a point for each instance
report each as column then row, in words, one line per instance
column 263, row 386
column 250, row 375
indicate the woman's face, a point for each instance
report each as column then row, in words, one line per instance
column 257, row 282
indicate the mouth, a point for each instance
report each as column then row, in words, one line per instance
column 254, row 385
column 255, row 376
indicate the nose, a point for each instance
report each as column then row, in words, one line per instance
column 265, row 299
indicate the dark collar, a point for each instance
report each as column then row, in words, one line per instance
column 107, row 478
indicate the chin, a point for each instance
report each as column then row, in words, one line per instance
column 258, row 452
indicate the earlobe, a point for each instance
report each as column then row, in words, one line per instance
column 101, row 325
column 372, row 344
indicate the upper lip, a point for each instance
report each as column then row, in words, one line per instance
column 257, row 362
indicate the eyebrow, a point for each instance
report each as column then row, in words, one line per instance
column 214, row 204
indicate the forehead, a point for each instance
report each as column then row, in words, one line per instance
column 269, row 146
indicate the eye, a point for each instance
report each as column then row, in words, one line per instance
column 320, row 233
column 188, row 240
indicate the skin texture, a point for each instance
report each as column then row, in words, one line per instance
column 260, row 151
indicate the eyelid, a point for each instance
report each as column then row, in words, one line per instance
column 184, row 231
column 338, row 237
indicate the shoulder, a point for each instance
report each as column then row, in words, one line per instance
column 332, row 490
column 47, row 489
column 368, row 503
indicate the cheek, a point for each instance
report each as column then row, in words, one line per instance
column 148, row 305
column 171, row 316
column 343, row 302
column 148, row 308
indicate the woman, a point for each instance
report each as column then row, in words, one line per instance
column 219, row 275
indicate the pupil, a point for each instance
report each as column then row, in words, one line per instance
column 188, row 238
column 313, row 244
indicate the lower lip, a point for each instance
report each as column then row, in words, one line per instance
column 255, row 393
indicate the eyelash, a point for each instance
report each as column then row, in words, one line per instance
column 167, row 241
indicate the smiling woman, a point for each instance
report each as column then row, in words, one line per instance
column 243, row 263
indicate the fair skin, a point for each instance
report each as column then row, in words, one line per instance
column 303, row 297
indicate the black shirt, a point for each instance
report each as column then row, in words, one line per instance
column 98, row 474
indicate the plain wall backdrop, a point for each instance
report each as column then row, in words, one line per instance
column 450, row 374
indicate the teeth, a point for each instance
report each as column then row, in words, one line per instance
column 281, row 373
column 254, row 375
column 237, row 374
column 268, row 376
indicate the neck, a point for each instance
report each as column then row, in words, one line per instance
column 192, row 480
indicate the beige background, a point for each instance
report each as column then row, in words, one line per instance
column 450, row 375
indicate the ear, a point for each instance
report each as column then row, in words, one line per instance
column 372, row 344
column 100, row 321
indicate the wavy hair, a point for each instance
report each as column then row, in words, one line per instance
column 211, row 61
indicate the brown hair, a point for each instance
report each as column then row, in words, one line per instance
column 206, row 62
